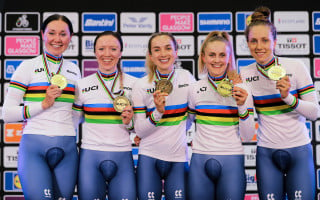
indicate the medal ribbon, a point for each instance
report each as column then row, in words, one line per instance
column 264, row 71
column 46, row 66
column 105, row 87
column 158, row 76
column 213, row 83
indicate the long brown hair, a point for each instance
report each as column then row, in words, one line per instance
column 261, row 16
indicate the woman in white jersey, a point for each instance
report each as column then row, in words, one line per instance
column 103, row 98
column 284, row 96
column 160, row 106
column 221, row 106
column 48, row 157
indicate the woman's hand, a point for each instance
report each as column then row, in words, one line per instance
column 53, row 92
column 284, row 86
column 127, row 115
column 159, row 99
column 240, row 95
column 137, row 140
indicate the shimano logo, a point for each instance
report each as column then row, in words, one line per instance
column 215, row 22
column 102, row 22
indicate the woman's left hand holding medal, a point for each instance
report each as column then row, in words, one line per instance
column 240, row 95
column 159, row 99
column 127, row 114
column 284, row 86
column 53, row 92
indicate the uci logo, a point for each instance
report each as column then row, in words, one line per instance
column 253, row 78
column 38, row 70
column 95, row 87
column 202, row 89
column 151, row 90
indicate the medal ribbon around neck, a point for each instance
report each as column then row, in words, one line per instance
column 213, row 84
column 158, row 76
column 264, row 72
column 46, row 67
column 105, row 87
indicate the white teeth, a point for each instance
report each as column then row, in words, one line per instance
column 164, row 60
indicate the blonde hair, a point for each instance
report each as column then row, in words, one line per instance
column 223, row 37
column 151, row 67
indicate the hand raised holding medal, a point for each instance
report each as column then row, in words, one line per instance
column 120, row 102
column 164, row 86
column 59, row 80
column 276, row 72
column 225, row 88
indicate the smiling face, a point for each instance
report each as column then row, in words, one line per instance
column 163, row 53
column 56, row 37
column 216, row 57
column 261, row 44
column 108, row 53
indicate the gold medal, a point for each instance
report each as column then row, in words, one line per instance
column 59, row 80
column 120, row 102
column 225, row 88
column 164, row 86
column 276, row 72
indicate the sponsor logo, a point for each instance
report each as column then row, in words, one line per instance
column 242, row 20
column 135, row 68
column 12, row 132
column 215, row 21
column 72, row 16
column 89, row 67
column 22, row 45
column 317, row 89
column 293, row 44
column 250, row 155
column 242, row 46
column 27, row 22
column 88, row 45
column 10, row 157
column 185, row 45
column 242, row 62
column 316, row 44
column 251, row 197
column 291, row 21
column 87, row 89
column 12, row 182
column 137, row 22
column 252, row 78
column 317, row 132
column 73, row 48
column 187, row 64
column 316, row 21
column 135, row 45
column 10, row 67
column 97, row 22
column 251, row 180
column 176, row 22
column 14, row 197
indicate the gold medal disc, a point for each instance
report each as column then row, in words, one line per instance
column 59, row 80
column 120, row 102
column 276, row 72
column 225, row 88
column 164, row 86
